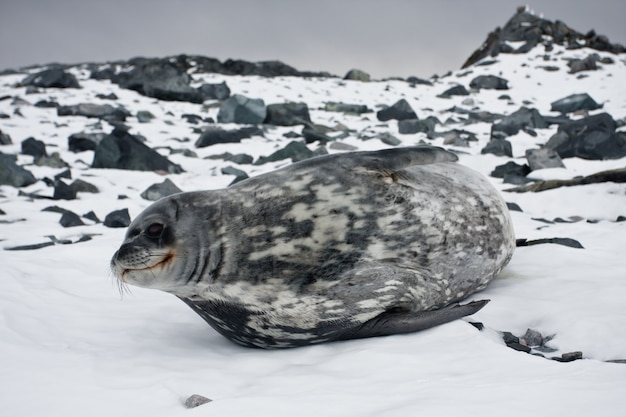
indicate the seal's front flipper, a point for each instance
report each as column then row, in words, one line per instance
column 390, row 322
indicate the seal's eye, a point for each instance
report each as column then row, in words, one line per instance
column 155, row 230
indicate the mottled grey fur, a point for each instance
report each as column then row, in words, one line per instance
column 336, row 247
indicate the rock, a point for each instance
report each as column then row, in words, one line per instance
column 592, row 137
column 569, row 357
column 160, row 190
column 240, row 158
column 357, row 75
column 45, row 104
column 80, row 186
column 615, row 175
column 110, row 96
column 13, row 174
column 67, row 174
column 543, row 158
column 159, row 78
column 587, row 64
column 193, row 119
column 532, row 338
column 196, row 400
column 79, row 142
column 52, row 161
column 117, row 218
column 62, row 191
column 296, row 151
column 239, row 174
column 498, row 147
column 346, row 108
column 522, row 119
column 287, row 114
column 242, row 110
column 574, row 102
column 311, row 134
column 31, row 247
column 121, row 150
column 510, row 168
column 33, row 147
column 91, row 216
column 418, row 81
column 51, row 78
column 388, row 139
column 457, row 90
column 144, row 116
column 214, row 91
column 489, row 82
column 514, row 207
column 400, row 110
column 98, row 111
column 70, row 219
column 215, row 135
column 409, row 126
column 5, row 139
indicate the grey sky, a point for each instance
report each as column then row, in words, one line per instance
column 384, row 38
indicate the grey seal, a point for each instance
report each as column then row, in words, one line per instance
column 336, row 247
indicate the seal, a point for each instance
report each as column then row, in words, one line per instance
column 337, row 247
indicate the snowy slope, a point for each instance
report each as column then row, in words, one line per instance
column 72, row 345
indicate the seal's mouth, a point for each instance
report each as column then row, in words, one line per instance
column 159, row 265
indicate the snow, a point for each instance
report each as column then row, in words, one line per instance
column 73, row 345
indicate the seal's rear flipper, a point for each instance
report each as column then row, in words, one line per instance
column 389, row 323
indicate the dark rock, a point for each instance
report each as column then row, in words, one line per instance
column 31, row 247
column 45, row 104
column 575, row 102
column 311, row 134
column 524, row 118
column 489, row 82
column 196, row 400
column 480, row 326
column 121, row 150
column 71, row 219
column 92, row 216
column 515, row 179
column 569, row 357
column 498, row 147
column 409, row 126
column 565, row 241
column 418, row 81
column 242, row 110
column 357, row 75
column 514, row 207
column 287, row 114
column 592, row 137
column 457, row 90
column 13, row 174
column 33, row 147
column 214, row 91
column 215, row 135
column 117, row 218
column 160, row 190
column 52, row 161
column 144, row 116
column 543, row 158
column 400, row 110
column 98, row 111
column 80, row 186
column 240, row 158
column 532, row 338
column 79, row 142
column 193, row 119
column 587, row 64
column 67, row 174
column 510, row 168
column 5, row 139
column 388, row 139
column 296, row 151
column 346, row 108
column 51, row 78
column 55, row 209
column 110, row 96
column 238, row 173
column 62, row 191
column 615, row 175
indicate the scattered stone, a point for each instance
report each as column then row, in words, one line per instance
column 514, row 207
column 532, row 338
column 480, row 326
column 346, row 108
column 522, row 119
column 587, row 64
column 357, row 75
column 33, row 147
column 565, row 241
column 457, row 90
column 160, row 190
column 214, row 91
column 31, row 247
column 409, row 126
column 543, row 158
column 510, row 168
column 417, row 81
column 287, row 114
column 55, row 209
column 62, row 191
column 400, row 110
column 121, row 150
column 144, row 116
column 242, row 110
column 313, row 133
column 238, row 173
column 296, row 151
column 13, row 174
column 110, row 96
column 45, row 104
column 98, row 111
column 615, row 175
column 117, row 218
column 489, row 82
column 67, row 174
column 569, row 357
column 193, row 119
column 388, row 139
column 340, row 146
column 51, row 78
column 574, row 102
column 52, row 161
column 70, row 219
column 216, row 135
column 5, row 139
column 240, row 158
column 498, row 147
column 79, row 142
column 92, row 216
column 80, row 186
column 196, row 400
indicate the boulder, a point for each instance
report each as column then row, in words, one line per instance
column 117, row 218
column 121, row 150
column 71, row 219
column 239, row 174
column 409, row 126
column 79, row 142
column 522, row 119
column 98, row 111
column 62, row 191
column 13, row 174
column 587, row 64
column 592, row 137
column 287, row 114
column 160, row 190
column 296, row 151
column 33, row 147
column 457, row 90
column 498, row 147
column 51, row 78
column 489, row 82
column 574, row 102
column 144, row 116
column 5, row 139
column 543, row 158
column 357, row 75
column 510, row 168
column 400, row 110
column 242, row 110
column 218, row 91
column 215, row 135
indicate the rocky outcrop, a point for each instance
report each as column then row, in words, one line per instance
column 242, row 110
column 51, row 78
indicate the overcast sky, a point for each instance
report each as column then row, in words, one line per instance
column 385, row 38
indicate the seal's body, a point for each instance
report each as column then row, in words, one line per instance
column 336, row 247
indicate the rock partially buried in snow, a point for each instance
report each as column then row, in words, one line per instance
column 196, row 400
column 574, row 102
column 543, row 158
column 13, row 174
column 400, row 110
column 160, row 190
column 242, row 110
column 51, row 78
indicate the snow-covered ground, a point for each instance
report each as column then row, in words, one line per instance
column 72, row 345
